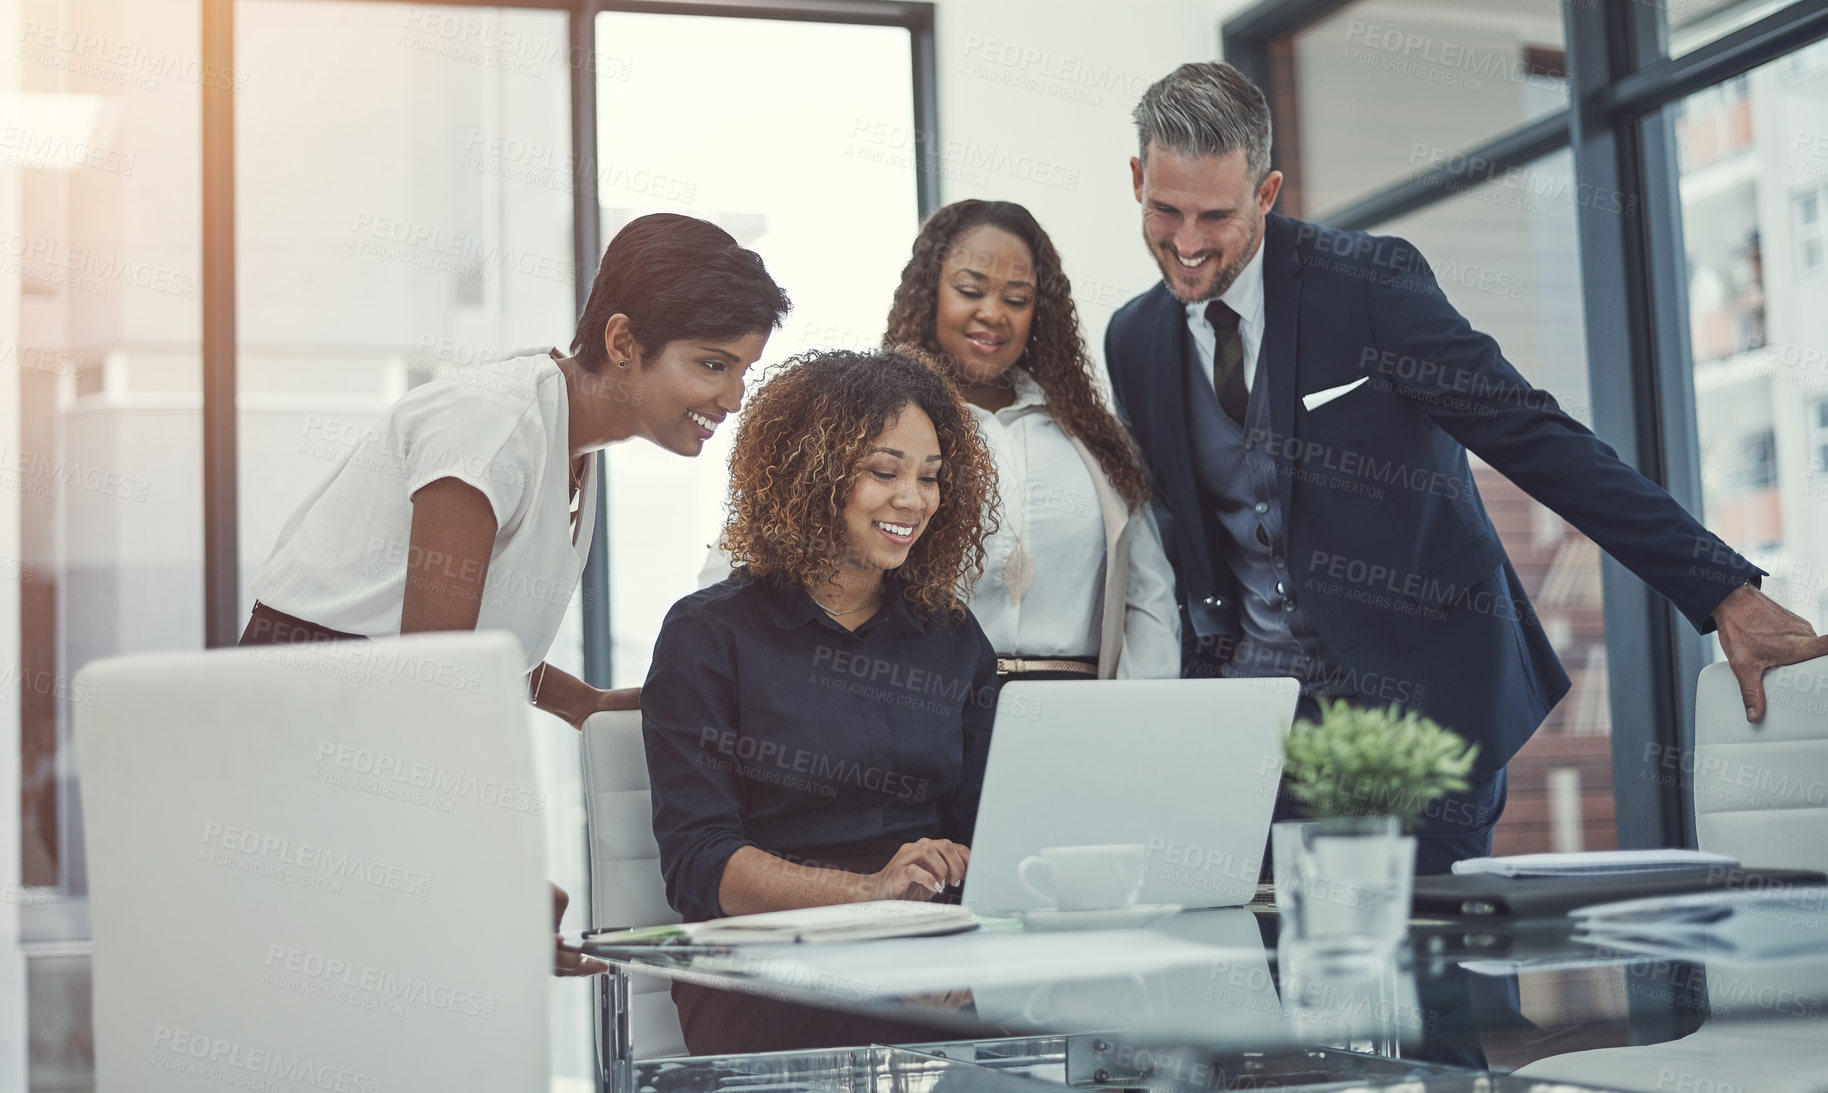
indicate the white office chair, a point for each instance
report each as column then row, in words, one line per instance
column 316, row 865
column 1758, row 788
column 1757, row 791
column 635, row 1014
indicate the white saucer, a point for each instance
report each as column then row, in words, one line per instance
column 1050, row 918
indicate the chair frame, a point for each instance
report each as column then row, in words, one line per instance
column 615, row 1047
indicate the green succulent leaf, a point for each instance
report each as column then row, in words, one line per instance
column 1364, row 761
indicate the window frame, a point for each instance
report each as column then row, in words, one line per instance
column 1620, row 81
column 221, row 557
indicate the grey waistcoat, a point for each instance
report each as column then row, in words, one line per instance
column 1240, row 499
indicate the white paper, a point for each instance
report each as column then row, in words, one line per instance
column 877, row 919
column 1593, row 863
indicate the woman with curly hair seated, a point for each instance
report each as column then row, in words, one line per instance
column 1076, row 584
column 816, row 725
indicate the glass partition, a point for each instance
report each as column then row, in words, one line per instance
column 1754, row 190
column 1687, row 25
column 408, row 216
column 1383, row 89
column 812, row 167
column 1507, row 256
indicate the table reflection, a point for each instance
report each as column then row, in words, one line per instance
column 1760, row 1031
column 1207, row 989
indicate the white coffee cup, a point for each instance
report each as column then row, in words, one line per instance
column 1085, row 878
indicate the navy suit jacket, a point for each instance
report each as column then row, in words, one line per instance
column 1392, row 555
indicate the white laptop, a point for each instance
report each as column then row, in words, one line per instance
column 1186, row 767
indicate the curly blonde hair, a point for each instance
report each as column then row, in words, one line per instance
column 800, row 447
column 1055, row 355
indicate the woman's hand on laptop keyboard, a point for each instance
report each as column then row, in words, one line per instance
column 921, row 870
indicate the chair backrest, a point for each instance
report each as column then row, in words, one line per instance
column 1761, row 791
column 626, row 888
column 316, row 866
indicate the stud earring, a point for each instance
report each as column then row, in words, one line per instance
column 621, row 364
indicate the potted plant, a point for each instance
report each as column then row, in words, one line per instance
column 1366, row 776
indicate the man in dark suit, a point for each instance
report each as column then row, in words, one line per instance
column 1305, row 400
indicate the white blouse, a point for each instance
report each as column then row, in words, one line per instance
column 341, row 559
column 1042, row 592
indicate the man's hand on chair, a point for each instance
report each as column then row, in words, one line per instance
column 1757, row 633
column 569, row 963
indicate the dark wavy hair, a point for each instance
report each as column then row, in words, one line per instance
column 800, row 447
column 677, row 277
column 1055, row 355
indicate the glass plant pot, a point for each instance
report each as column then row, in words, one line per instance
column 1343, row 887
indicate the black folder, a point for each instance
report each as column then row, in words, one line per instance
column 1485, row 896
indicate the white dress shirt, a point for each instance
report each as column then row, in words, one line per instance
column 1052, row 538
column 1245, row 296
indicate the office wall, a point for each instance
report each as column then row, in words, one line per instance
column 1034, row 103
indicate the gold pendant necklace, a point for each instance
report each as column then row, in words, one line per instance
column 1018, row 572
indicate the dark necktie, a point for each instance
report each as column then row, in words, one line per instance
column 1227, row 360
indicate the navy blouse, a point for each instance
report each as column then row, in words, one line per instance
column 768, row 724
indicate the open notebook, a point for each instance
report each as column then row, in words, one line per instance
column 842, row 922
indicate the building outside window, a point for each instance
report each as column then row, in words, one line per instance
column 1818, row 438
column 1751, row 195
column 1810, row 243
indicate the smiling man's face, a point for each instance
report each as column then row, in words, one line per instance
column 1202, row 217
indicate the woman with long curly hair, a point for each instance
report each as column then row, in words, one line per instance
column 816, row 724
column 1076, row 583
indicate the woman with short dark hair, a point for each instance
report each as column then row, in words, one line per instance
column 817, row 724
column 470, row 504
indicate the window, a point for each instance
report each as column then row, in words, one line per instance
column 1806, row 61
column 1754, row 463
column 1818, row 438
column 1757, row 334
column 863, row 147
column 409, row 217
column 1701, row 226
column 1421, row 82
column 101, row 542
column 1687, row 25
column 1807, row 225
column 1507, row 256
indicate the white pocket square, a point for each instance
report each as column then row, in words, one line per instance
column 1321, row 398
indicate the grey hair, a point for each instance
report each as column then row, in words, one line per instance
column 1206, row 108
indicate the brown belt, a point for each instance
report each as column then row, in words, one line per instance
column 1007, row 666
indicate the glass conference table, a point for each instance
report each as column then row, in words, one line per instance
column 1202, row 1000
